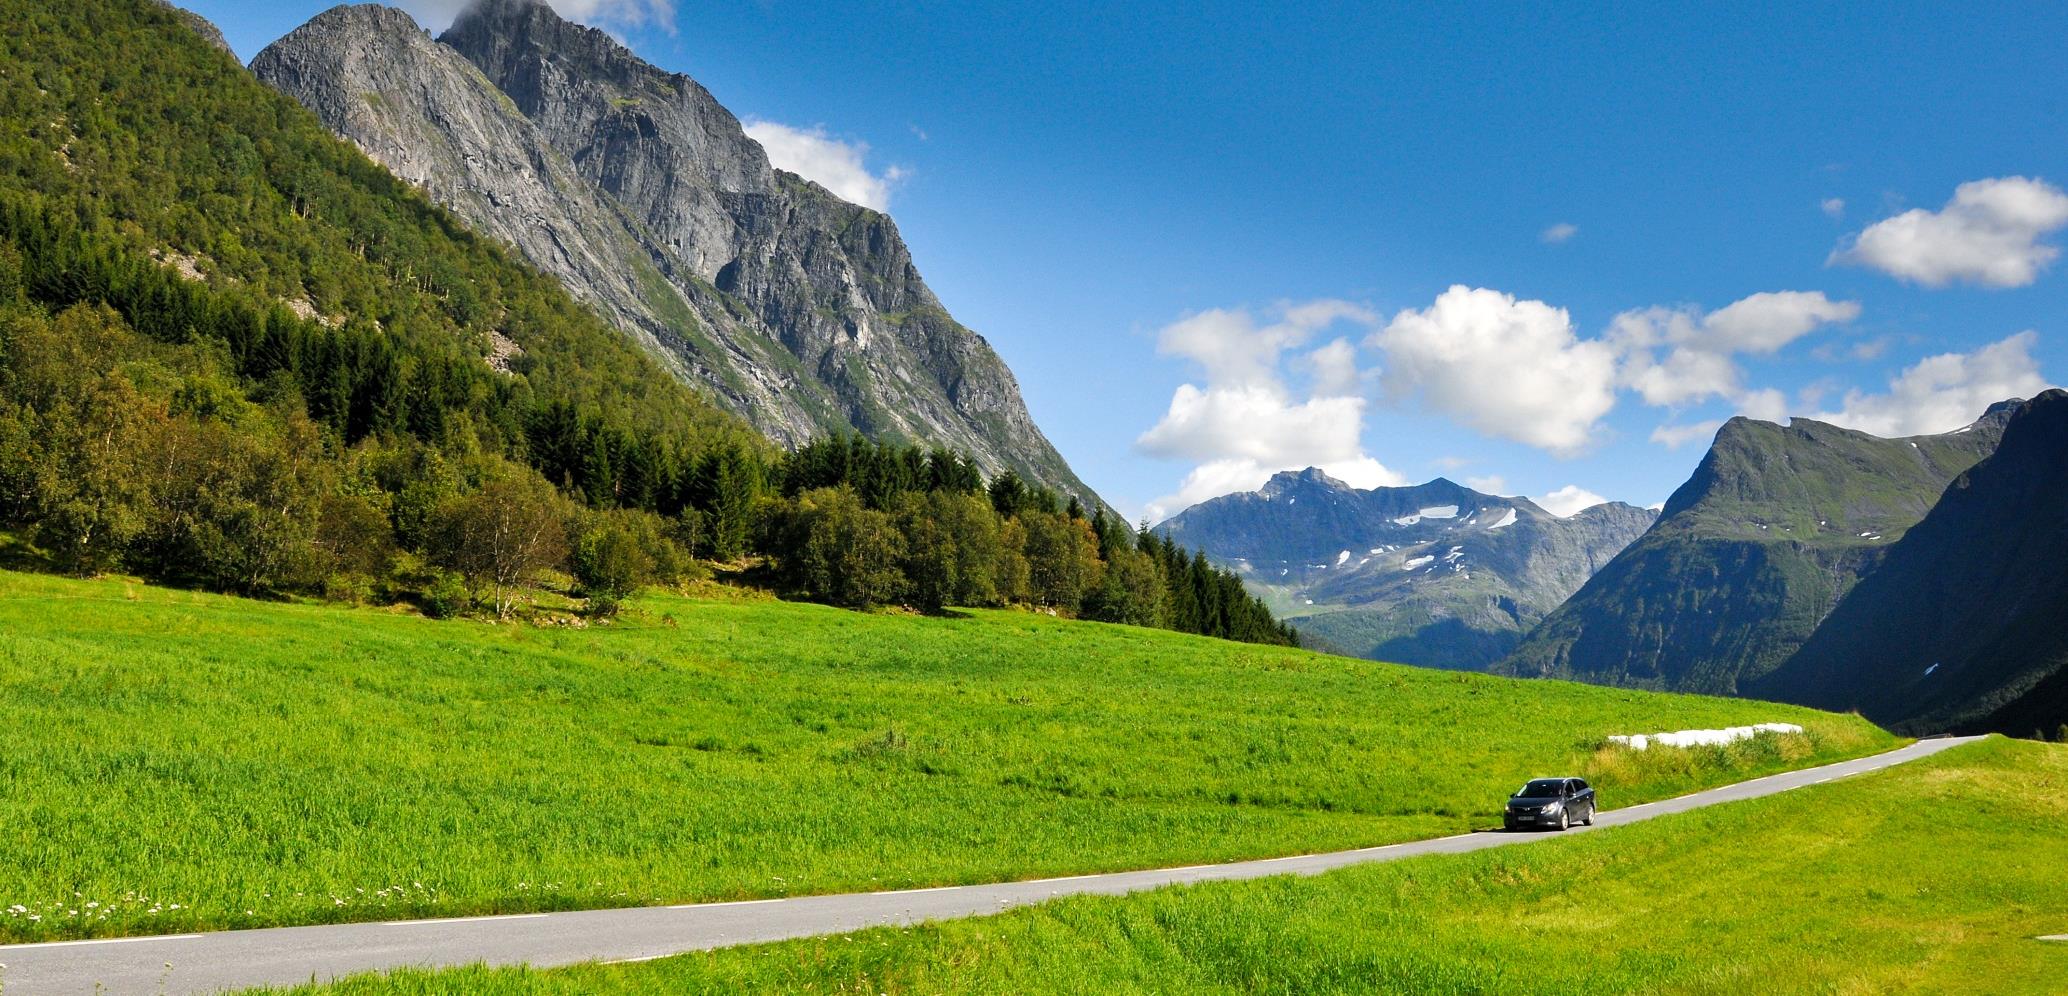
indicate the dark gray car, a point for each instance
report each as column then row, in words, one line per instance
column 1550, row 803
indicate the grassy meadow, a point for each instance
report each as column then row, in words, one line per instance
column 175, row 761
column 1930, row 877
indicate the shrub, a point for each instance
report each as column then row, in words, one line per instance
column 445, row 596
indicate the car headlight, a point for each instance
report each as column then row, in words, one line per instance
column 1551, row 807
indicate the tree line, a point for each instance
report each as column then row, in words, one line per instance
column 861, row 523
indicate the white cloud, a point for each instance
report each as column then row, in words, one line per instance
column 1255, row 422
column 1567, row 501
column 1674, row 437
column 1491, row 484
column 1943, row 393
column 1558, row 233
column 1768, row 405
column 1245, row 425
column 827, row 161
column 1236, row 350
column 437, row 14
column 1508, row 368
column 1833, row 207
column 1334, row 369
column 1699, row 361
column 1988, row 234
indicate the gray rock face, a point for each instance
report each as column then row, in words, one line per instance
column 1438, row 575
column 799, row 311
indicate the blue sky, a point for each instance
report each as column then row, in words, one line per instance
column 1167, row 223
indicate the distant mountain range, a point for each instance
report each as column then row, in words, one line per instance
column 1750, row 555
column 1438, row 575
column 1922, row 581
column 801, row 312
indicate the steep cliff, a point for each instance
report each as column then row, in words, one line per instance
column 800, row 311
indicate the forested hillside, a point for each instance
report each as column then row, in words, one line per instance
column 235, row 353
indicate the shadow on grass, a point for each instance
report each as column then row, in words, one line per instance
column 18, row 554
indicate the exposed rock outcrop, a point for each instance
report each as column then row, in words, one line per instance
column 634, row 186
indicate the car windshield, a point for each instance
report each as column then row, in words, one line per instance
column 1542, row 788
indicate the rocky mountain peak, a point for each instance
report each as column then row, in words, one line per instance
column 1289, row 481
column 611, row 111
column 1435, row 573
column 642, row 194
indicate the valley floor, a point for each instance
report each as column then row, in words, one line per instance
column 179, row 761
column 1934, row 876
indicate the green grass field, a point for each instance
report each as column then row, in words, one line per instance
column 178, row 761
column 1930, row 877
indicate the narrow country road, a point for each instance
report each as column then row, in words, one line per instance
column 208, row 963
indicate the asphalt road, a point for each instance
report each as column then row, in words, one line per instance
column 208, row 963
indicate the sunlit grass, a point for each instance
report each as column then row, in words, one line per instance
column 179, row 761
column 1929, row 877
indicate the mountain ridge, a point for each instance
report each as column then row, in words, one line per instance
column 635, row 187
column 1749, row 555
column 1959, row 628
column 1435, row 574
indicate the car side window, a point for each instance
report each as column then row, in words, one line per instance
column 1579, row 785
column 1573, row 787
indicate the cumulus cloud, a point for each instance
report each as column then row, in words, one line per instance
column 1988, row 234
column 1833, row 207
column 1504, row 367
column 1333, row 368
column 1942, row 393
column 1674, row 437
column 437, row 14
column 1255, row 422
column 1680, row 356
column 1568, row 501
column 1245, row 424
column 1491, row 484
column 1558, row 233
column 827, row 161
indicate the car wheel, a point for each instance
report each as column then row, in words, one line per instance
column 1589, row 821
column 1564, row 820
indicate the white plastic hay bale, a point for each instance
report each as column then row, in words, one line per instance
column 1701, row 738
